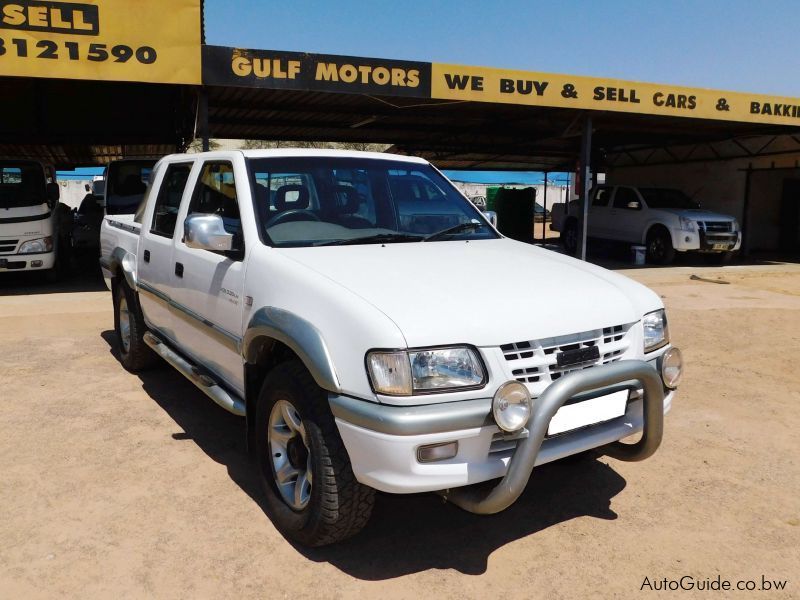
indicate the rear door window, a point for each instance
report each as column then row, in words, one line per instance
column 602, row 196
column 165, row 214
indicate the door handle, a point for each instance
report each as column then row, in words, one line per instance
column 179, row 269
column 147, row 256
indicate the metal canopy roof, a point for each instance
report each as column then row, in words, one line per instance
column 482, row 118
column 417, row 108
column 470, row 135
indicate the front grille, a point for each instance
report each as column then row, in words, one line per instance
column 8, row 246
column 534, row 362
column 716, row 226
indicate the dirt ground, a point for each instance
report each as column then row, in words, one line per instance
column 115, row 485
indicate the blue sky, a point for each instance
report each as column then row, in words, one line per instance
column 727, row 44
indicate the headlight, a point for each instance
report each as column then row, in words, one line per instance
column 511, row 406
column 687, row 224
column 672, row 368
column 39, row 246
column 735, row 225
column 656, row 332
column 409, row 372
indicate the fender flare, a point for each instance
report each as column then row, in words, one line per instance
column 655, row 223
column 304, row 339
column 124, row 260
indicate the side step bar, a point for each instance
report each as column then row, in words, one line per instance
column 206, row 384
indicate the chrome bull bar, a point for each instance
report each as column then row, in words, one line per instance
column 510, row 488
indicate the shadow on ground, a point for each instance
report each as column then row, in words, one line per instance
column 84, row 276
column 410, row 533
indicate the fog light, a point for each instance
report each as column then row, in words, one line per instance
column 434, row 452
column 36, row 263
column 672, row 367
column 511, row 406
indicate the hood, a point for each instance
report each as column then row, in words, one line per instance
column 698, row 214
column 482, row 292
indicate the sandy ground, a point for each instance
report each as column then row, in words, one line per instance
column 114, row 485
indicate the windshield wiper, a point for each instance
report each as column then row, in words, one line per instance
column 461, row 227
column 379, row 238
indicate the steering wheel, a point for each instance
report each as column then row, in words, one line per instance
column 284, row 216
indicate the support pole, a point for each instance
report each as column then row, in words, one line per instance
column 746, row 212
column 585, row 172
column 544, row 214
column 202, row 117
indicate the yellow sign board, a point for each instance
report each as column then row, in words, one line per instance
column 155, row 41
column 483, row 84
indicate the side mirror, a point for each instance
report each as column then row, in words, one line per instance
column 207, row 232
column 87, row 188
column 635, row 205
column 491, row 216
column 53, row 194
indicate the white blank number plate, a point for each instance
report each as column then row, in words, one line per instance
column 588, row 412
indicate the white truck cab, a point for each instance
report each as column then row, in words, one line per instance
column 665, row 220
column 329, row 298
column 32, row 223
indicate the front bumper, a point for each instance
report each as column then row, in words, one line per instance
column 26, row 262
column 701, row 241
column 382, row 440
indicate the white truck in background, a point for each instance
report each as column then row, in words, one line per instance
column 664, row 220
column 34, row 225
column 329, row 298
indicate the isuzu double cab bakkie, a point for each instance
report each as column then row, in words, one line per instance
column 329, row 298
column 665, row 220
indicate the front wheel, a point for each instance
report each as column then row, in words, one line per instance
column 312, row 495
column 659, row 247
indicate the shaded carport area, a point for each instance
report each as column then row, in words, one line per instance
column 73, row 123
column 454, row 119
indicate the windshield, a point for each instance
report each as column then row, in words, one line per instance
column 313, row 201
column 22, row 184
column 667, row 198
column 126, row 183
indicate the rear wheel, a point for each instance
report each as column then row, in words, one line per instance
column 312, row 495
column 129, row 326
column 569, row 237
column 659, row 247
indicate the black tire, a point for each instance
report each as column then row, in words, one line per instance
column 569, row 237
column 134, row 354
column 659, row 247
column 338, row 506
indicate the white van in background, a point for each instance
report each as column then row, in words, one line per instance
column 34, row 226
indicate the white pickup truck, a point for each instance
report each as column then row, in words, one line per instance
column 330, row 299
column 664, row 220
column 34, row 226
